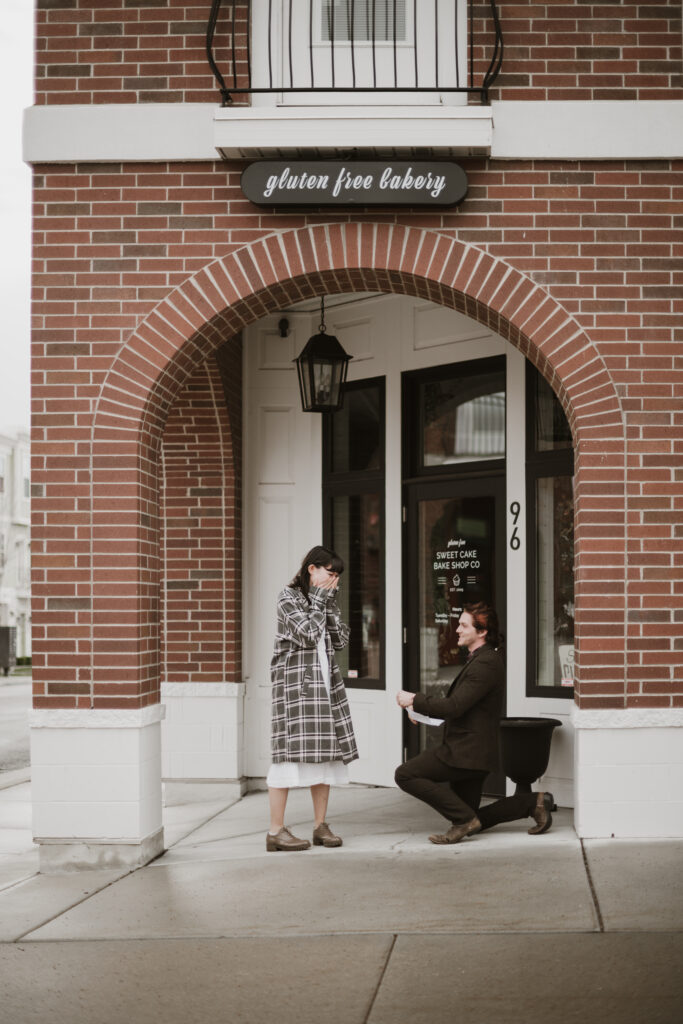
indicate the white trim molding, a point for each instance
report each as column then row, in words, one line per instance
column 508, row 129
column 203, row 689
column 627, row 718
column 587, row 129
column 96, row 718
column 119, row 132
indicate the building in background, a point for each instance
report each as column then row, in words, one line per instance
column 15, row 542
column 512, row 426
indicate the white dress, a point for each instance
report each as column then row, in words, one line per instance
column 296, row 774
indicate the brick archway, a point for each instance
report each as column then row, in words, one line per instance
column 238, row 289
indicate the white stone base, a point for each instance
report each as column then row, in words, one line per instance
column 58, row 858
column 96, row 787
column 629, row 773
column 203, row 732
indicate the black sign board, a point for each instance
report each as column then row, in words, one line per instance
column 354, row 183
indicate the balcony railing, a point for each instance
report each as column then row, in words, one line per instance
column 353, row 48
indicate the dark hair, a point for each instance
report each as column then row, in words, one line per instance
column 318, row 556
column 485, row 617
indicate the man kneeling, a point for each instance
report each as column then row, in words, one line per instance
column 469, row 750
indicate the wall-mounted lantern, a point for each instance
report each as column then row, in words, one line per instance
column 322, row 367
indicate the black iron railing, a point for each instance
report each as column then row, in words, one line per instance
column 355, row 46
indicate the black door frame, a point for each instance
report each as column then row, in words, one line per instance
column 475, row 485
column 484, row 477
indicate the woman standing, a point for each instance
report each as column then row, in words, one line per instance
column 312, row 737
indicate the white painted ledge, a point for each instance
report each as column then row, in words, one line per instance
column 202, row 689
column 118, row 132
column 520, row 129
column 631, row 718
column 252, row 131
column 97, row 718
column 591, row 130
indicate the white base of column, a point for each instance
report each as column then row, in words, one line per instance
column 83, row 854
column 629, row 773
column 202, row 737
column 96, row 787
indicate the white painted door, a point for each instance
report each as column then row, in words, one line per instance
column 282, row 519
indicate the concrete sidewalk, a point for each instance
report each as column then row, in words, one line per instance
column 386, row 930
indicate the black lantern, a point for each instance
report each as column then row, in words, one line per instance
column 322, row 367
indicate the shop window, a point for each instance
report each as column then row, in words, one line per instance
column 353, row 507
column 550, row 525
column 460, row 414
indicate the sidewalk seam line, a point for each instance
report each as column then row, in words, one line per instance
column 72, row 906
column 237, row 936
column 18, row 881
column 381, row 978
column 195, row 828
column 593, row 891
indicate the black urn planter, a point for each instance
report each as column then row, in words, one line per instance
column 525, row 748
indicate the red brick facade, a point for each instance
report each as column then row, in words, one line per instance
column 144, row 275
column 153, row 51
column 200, row 531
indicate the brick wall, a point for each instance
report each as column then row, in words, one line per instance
column 127, row 51
column 614, row 50
column 110, row 243
column 200, row 537
column 152, row 51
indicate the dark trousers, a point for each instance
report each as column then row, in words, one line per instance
column 456, row 792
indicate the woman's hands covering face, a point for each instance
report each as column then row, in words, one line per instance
column 322, row 577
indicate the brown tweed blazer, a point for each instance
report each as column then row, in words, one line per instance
column 306, row 724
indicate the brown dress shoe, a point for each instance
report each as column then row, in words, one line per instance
column 541, row 813
column 284, row 840
column 323, row 836
column 457, row 832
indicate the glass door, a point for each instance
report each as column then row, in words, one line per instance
column 456, row 556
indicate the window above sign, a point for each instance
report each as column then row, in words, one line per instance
column 310, row 64
column 381, row 21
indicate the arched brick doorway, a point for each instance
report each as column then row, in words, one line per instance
column 232, row 292
column 191, row 324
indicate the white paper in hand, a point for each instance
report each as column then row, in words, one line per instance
column 424, row 719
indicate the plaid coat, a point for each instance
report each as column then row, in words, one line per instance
column 306, row 724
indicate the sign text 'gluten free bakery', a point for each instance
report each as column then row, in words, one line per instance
column 354, row 183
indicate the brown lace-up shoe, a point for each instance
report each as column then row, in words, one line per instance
column 457, row 832
column 541, row 813
column 323, row 836
column 284, row 840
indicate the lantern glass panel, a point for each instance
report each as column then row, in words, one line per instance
column 323, row 382
column 304, row 384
